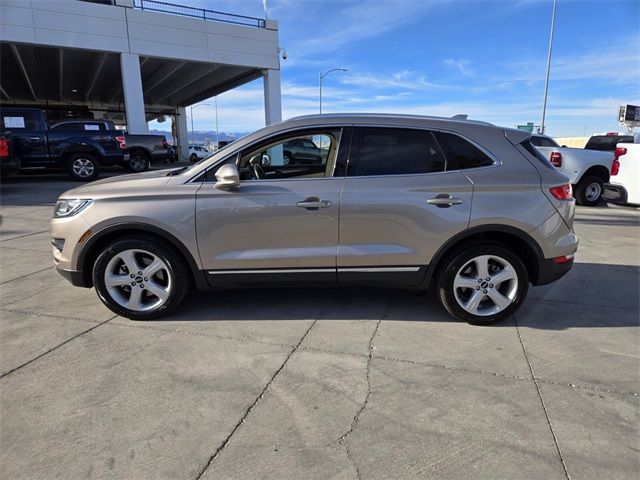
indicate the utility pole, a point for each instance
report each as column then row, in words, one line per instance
column 546, row 82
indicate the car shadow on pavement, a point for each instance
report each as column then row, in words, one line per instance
column 590, row 296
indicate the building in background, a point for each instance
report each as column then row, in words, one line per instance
column 131, row 61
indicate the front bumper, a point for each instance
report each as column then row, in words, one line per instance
column 615, row 193
column 76, row 278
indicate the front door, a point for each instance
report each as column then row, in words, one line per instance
column 281, row 223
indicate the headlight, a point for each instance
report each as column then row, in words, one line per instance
column 71, row 207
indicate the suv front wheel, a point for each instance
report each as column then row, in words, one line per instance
column 483, row 284
column 140, row 278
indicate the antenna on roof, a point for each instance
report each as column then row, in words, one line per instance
column 460, row 116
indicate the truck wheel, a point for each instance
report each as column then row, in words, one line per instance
column 588, row 191
column 286, row 159
column 83, row 167
column 193, row 158
column 139, row 161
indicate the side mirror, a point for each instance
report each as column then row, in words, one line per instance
column 227, row 177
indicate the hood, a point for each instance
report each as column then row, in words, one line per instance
column 121, row 183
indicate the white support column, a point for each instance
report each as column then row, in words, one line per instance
column 272, row 99
column 183, row 134
column 133, row 97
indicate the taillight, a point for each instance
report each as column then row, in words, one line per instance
column 563, row 192
column 121, row 142
column 556, row 159
column 563, row 259
column 615, row 166
column 4, row 147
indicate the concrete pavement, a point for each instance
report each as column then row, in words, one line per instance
column 308, row 383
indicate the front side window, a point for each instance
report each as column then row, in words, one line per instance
column 398, row 151
column 309, row 154
column 461, row 154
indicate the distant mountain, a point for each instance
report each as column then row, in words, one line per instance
column 199, row 136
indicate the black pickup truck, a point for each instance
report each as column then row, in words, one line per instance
column 35, row 146
column 143, row 149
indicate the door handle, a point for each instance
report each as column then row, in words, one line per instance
column 444, row 200
column 313, row 203
column 34, row 138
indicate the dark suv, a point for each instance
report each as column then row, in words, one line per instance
column 301, row 151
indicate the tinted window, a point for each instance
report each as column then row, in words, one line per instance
column 20, row 121
column 460, row 153
column 527, row 144
column 395, row 151
column 540, row 141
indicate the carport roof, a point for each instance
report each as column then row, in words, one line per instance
column 44, row 75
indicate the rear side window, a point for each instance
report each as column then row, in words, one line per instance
column 536, row 153
column 543, row 142
column 19, row 121
column 66, row 127
column 397, row 151
column 460, row 153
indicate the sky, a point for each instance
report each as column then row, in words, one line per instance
column 486, row 59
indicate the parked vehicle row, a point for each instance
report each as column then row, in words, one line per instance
column 469, row 209
column 588, row 170
column 81, row 147
column 33, row 145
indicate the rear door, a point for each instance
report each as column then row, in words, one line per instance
column 399, row 205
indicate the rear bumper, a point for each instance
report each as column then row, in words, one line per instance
column 549, row 271
column 615, row 193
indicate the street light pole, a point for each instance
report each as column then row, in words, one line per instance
column 546, row 82
column 191, row 111
column 217, row 134
column 322, row 75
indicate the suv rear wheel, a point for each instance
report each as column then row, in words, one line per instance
column 483, row 284
column 139, row 278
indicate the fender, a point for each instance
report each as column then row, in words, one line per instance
column 479, row 230
column 79, row 145
column 197, row 274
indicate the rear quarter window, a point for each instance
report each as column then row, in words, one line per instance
column 462, row 154
column 536, row 153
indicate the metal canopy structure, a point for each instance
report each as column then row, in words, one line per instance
column 131, row 61
column 49, row 76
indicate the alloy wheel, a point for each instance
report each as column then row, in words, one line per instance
column 485, row 285
column 83, row 167
column 138, row 280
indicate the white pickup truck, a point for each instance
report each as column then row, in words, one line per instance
column 588, row 170
column 624, row 186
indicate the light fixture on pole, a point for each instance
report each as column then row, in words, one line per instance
column 546, row 81
column 322, row 75
column 191, row 112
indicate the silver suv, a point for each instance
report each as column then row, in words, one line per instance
column 466, row 207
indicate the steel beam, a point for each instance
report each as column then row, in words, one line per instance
column 23, row 69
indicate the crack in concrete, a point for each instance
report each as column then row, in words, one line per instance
column 26, row 275
column 55, row 348
column 226, row 441
column 342, row 440
column 544, row 407
column 22, row 236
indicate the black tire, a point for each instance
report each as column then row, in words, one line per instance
column 587, row 189
column 83, row 167
column 175, row 275
column 193, row 158
column 139, row 161
column 457, row 260
column 286, row 159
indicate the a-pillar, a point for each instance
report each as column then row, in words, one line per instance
column 272, row 99
column 133, row 96
column 182, row 134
